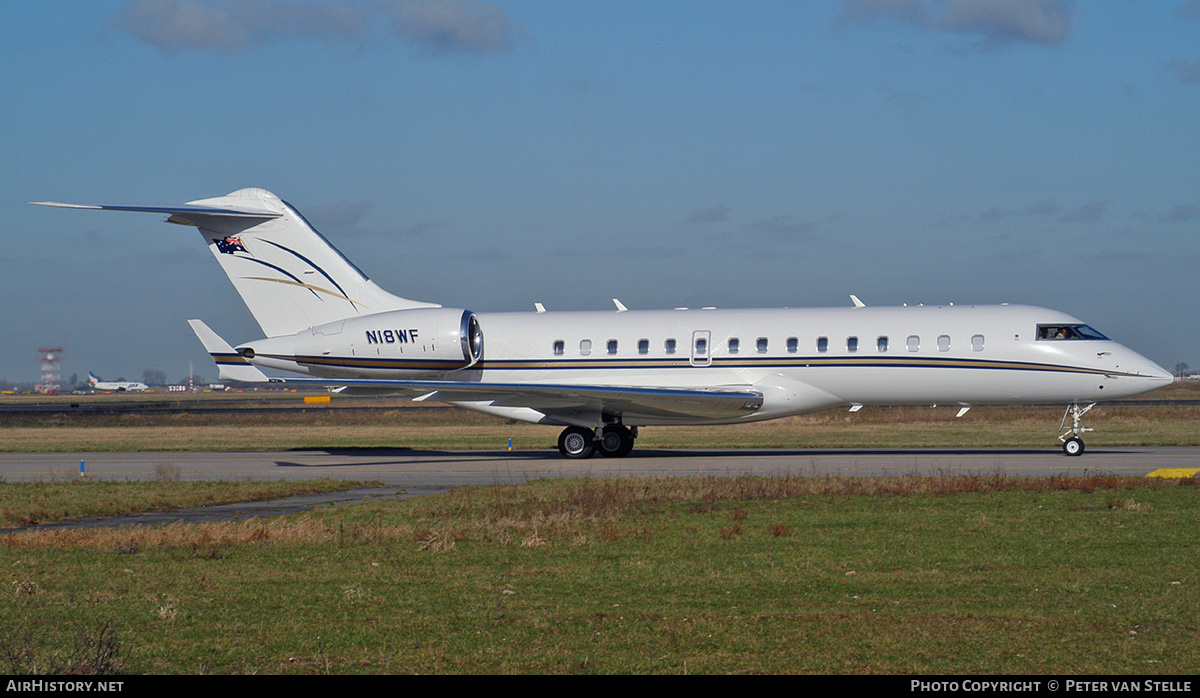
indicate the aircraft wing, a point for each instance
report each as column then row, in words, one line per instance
column 555, row 400
column 561, row 399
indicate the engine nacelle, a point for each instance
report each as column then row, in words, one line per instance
column 396, row 344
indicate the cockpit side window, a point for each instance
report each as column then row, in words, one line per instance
column 1059, row 332
column 1086, row 332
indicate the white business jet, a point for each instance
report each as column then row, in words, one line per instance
column 602, row 375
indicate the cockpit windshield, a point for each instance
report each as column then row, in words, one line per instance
column 1053, row 332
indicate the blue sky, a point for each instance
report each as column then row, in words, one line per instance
column 492, row 154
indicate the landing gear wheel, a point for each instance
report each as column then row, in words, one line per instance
column 577, row 442
column 1073, row 446
column 616, row 442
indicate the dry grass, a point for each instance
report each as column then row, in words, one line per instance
column 32, row 503
column 93, row 652
column 206, row 539
column 554, row 511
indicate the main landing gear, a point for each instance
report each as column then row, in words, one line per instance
column 614, row 440
column 1072, row 443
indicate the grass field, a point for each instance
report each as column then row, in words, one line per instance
column 398, row 424
column 910, row 575
column 31, row 503
column 907, row 575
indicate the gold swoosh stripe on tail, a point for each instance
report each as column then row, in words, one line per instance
column 310, row 287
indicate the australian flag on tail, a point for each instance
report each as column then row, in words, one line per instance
column 229, row 245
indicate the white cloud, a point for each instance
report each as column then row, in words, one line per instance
column 714, row 214
column 1088, row 213
column 995, row 23
column 451, row 26
column 1189, row 11
column 1000, row 22
column 1045, row 207
column 1182, row 213
column 1187, row 72
column 436, row 27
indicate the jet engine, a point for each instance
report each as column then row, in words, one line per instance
column 396, row 344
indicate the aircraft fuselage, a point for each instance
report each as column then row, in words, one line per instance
column 801, row 360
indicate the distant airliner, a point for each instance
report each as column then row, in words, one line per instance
column 602, row 375
column 116, row 386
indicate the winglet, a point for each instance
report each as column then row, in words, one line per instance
column 232, row 365
column 857, row 302
column 620, row 306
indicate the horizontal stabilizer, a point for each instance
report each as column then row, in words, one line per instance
column 232, row 365
column 286, row 272
column 179, row 209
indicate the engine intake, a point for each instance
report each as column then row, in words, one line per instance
column 471, row 336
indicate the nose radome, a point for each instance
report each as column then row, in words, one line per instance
column 1148, row 369
column 1159, row 374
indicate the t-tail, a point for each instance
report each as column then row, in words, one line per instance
column 286, row 272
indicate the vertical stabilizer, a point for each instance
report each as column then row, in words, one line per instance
column 286, row 272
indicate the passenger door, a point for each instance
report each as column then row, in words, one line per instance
column 701, row 348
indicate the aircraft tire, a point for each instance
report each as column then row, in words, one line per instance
column 616, row 442
column 1073, row 446
column 576, row 442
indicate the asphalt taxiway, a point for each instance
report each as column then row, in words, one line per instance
column 440, row 469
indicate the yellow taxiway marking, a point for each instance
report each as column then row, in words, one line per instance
column 1173, row 472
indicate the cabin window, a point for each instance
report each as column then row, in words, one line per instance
column 977, row 342
column 612, row 346
column 943, row 342
column 881, row 344
column 643, row 346
column 669, row 345
column 852, row 344
column 701, row 346
column 585, row 347
column 761, row 345
column 734, row 343
column 914, row 342
column 559, row 346
column 822, row 344
column 793, row 344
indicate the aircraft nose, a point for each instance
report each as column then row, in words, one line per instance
column 1158, row 374
column 1149, row 375
column 1148, row 370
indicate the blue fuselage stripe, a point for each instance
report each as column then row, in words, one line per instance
column 683, row 362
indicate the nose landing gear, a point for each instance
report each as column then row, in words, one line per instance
column 1072, row 443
